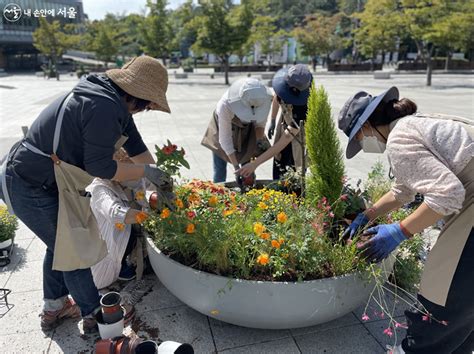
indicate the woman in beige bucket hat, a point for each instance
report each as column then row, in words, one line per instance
column 43, row 178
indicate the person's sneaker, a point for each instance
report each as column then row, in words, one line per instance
column 51, row 319
column 127, row 272
column 89, row 325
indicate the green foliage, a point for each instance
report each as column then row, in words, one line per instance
column 326, row 163
column 264, row 235
column 379, row 27
column 8, row 224
column 170, row 159
column 156, row 30
column 408, row 266
column 377, row 183
column 318, row 35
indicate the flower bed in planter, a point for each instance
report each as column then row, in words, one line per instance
column 261, row 259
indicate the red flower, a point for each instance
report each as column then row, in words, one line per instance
column 344, row 197
column 191, row 214
column 167, row 150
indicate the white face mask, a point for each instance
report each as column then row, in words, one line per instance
column 372, row 144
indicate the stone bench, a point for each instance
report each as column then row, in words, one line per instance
column 204, row 71
column 382, row 75
column 267, row 76
column 180, row 75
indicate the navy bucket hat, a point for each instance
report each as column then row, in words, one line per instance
column 292, row 84
column 356, row 111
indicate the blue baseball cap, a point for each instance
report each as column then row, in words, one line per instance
column 292, row 84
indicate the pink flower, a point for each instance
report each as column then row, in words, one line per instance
column 388, row 331
column 382, row 315
column 400, row 325
column 365, row 317
column 425, row 318
column 331, row 214
column 444, row 323
column 344, row 197
column 328, row 208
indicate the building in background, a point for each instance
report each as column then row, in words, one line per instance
column 18, row 21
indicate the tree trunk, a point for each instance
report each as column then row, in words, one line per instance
column 429, row 66
column 226, row 69
column 314, row 63
column 448, row 57
column 164, row 60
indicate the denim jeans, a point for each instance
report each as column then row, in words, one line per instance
column 220, row 169
column 38, row 210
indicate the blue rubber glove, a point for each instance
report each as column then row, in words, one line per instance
column 387, row 238
column 359, row 222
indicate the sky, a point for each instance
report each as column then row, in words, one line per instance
column 96, row 9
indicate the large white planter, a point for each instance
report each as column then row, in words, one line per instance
column 5, row 244
column 261, row 304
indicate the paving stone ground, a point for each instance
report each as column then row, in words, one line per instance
column 161, row 315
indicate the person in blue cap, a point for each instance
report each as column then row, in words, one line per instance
column 291, row 86
column 430, row 154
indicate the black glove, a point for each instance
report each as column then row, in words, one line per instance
column 158, row 177
column 271, row 129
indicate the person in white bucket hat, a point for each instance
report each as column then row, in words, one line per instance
column 236, row 132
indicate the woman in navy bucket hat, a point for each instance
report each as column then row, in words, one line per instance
column 430, row 154
column 291, row 86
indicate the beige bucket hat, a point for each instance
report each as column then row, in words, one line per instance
column 143, row 77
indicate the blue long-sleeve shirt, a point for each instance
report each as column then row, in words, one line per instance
column 94, row 119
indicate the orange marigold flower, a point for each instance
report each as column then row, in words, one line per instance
column 212, row 201
column 263, row 259
column 282, row 218
column 258, row 228
column 194, row 198
column 190, row 229
column 140, row 195
column 265, row 235
column 281, row 240
column 275, row 244
column 141, row 217
column 262, row 205
column 266, row 196
column 120, row 226
column 227, row 212
column 165, row 213
column 179, row 203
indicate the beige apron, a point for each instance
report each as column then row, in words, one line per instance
column 285, row 119
column 78, row 243
column 243, row 136
column 444, row 257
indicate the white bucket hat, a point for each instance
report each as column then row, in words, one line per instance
column 250, row 100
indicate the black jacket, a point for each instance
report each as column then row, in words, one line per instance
column 95, row 118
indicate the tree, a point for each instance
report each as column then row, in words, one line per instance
column 52, row 41
column 378, row 32
column 156, row 30
column 218, row 32
column 318, row 35
column 266, row 34
column 324, row 150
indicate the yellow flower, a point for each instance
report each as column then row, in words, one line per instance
column 227, row 212
column 265, row 235
column 190, row 229
column 179, row 203
column 165, row 213
column 262, row 259
column 275, row 244
column 258, row 228
column 140, row 195
column 212, row 201
column 262, row 206
column 141, row 217
column 214, row 312
column 282, row 218
column 120, row 226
